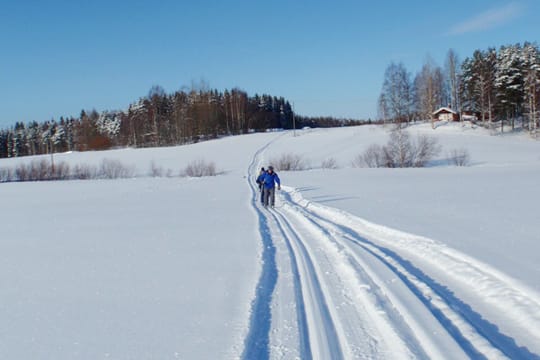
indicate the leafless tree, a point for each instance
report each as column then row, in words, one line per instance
column 429, row 90
column 396, row 93
column 459, row 157
column 401, row 151
column 452, row 67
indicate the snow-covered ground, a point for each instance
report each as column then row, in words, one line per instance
column 439, row 262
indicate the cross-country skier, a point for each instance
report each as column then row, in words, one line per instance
column 270, row 180
column 260, row 182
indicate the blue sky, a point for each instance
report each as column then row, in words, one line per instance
column 327, row 57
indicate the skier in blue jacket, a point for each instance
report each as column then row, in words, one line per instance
column 260, row 182
column 269, row 183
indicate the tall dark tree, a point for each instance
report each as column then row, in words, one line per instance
column 531, row 77
column 510, row 82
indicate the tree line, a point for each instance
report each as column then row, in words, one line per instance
column 494, row 85
column 160, row 119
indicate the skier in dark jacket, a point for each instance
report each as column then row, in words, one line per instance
column 270, row 180
column 260, row 182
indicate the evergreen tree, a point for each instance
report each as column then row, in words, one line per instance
column 510, row 82
column 531, row 76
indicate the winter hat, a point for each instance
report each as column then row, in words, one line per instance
column 271, row 168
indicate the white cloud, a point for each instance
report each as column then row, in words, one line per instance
column 488, row 19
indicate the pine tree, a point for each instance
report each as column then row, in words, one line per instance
column 531, row 75
column 479, row 83
column 509, row 81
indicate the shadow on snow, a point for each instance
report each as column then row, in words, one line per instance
column 256, row 344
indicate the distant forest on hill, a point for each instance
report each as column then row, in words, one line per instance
column 160, row 119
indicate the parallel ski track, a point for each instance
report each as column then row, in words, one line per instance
column 335, row 334
column 478, row 338
column 317, row 321
column 336, row 317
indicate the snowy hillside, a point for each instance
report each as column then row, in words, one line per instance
column 430, row 263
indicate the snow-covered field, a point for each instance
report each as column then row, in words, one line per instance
column 439, row 262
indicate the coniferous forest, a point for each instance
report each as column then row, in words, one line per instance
column 159, row 119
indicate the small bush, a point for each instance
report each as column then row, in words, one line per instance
column 114, row 169
column 84, row 172
column 373, row 157
column 400, row 152
column 22, row 172
column 41, row 170
column 329, row 163
column 6, row 175
column 38, row 170
column 155, row 171
column 62, row 171
column 289, row 162
column 424, row 150
column 459, row 157
column 159, row 171
column 199, row 168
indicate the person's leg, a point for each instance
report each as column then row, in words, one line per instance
column 272, row 196
column 265, row 196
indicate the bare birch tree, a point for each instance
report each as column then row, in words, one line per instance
column 452, row 77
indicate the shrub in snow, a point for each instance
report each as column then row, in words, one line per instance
column 6, row 174
column 329, row 163
column 61, row 171
column 36, row 170
column 39, row 170
column 400, row 152
column 22, row 172
column 373, row 157
column 114, row 169
column 84, row 172
column 159, row 171
column 289, row 162
column 155, row 171
column 425, row 149
column 459, row 157
column 199, row 168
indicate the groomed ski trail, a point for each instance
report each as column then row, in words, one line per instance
column 338, row 290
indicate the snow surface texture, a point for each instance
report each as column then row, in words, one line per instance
column 440, row 262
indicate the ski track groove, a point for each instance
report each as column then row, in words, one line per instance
column 325, row 338
column 404, row 342
column 301, row 317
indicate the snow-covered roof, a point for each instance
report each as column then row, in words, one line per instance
column 446, row 109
